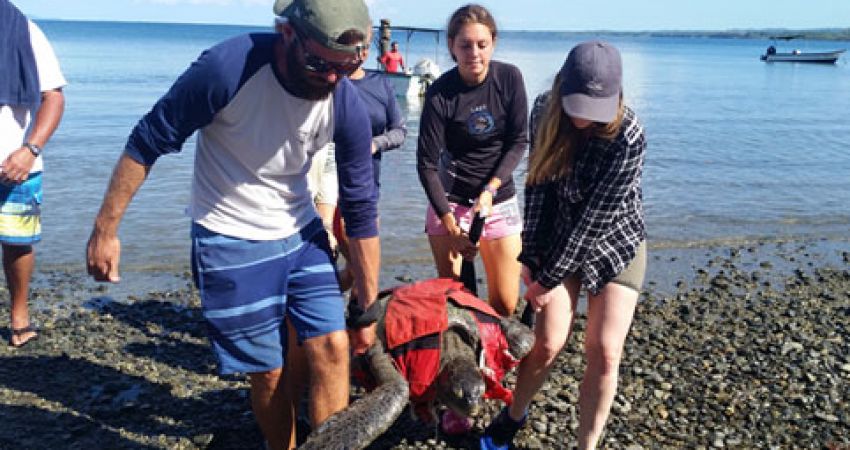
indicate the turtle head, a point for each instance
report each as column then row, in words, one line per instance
column 460, row 386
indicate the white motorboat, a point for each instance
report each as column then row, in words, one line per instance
column 414, row 81
column 771, row 55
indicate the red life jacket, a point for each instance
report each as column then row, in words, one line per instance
column 415, row 319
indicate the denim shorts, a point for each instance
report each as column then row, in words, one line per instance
column 247, row 287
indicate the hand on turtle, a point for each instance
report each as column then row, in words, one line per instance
column 466, row 248
column 362, row 338
column 459, row 241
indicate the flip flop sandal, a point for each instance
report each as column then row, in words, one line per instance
column 21, row 331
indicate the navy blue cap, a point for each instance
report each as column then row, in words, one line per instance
column 591, row 82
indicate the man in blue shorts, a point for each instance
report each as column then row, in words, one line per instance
column 263, row 104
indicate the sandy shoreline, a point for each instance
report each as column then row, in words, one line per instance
column 741, row 347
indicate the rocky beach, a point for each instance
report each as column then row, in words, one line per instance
column 737, row 345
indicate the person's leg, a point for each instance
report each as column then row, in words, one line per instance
column 500, row 246
column 294, row 382
column 18, row 263
column 609, row 316
column 503, row 269
column 21, row 220
column 551, row 331
column 315, row 307
column 327, row 360
column 552, row 328
column 242, row 285
column 276, row 396
column 448, row 262
column 270, row 407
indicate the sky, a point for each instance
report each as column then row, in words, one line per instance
column 556, row 15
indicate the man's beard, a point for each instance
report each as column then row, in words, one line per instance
column 301, row 84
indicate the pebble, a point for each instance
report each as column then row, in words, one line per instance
column 539, row 427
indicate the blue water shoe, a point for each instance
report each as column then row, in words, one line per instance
column 499, row 435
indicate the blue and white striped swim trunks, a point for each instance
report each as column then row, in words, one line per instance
column 247, row 287
column 20, row 211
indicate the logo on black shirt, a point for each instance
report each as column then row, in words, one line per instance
column 480, row 122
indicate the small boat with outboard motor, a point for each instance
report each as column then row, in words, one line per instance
column 771, row 55
column 413, row 81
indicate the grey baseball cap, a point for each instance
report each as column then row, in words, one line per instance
column 326, row 20
column 591, row 81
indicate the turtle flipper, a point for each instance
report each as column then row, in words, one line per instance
column 519, row 336
column 364, row 420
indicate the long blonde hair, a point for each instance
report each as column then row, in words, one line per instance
column 557, row 138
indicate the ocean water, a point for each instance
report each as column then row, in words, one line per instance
column 738, row 149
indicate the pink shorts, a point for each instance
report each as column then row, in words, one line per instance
column 504, row 220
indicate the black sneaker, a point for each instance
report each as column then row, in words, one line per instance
column 499, row 435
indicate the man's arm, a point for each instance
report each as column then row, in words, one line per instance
column 190, row 104
column 366, row 265
column 48, row 117
column 16, row 168
column 103, row 252
column 358, row 200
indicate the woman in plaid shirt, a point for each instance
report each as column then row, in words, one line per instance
column 583, row 227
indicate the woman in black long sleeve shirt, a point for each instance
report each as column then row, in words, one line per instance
column 472, row 136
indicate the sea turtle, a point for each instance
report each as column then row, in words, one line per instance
column 437, row 343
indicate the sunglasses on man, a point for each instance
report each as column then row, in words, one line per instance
column 317, row 64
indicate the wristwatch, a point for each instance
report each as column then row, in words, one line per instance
column 34, row 149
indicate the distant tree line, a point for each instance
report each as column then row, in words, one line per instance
column 823, row 34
